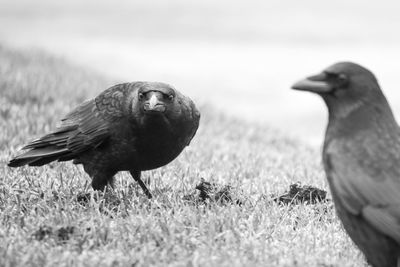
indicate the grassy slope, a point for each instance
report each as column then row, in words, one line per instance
column 36, row 90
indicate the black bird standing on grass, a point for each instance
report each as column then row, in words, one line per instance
column 128, row 127
column 361, row 157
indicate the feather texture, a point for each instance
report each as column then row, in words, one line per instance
column 361, row 158
column 114, row 132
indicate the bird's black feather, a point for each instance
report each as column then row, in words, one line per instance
column 113, row 132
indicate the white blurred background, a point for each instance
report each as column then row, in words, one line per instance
column 239, row 56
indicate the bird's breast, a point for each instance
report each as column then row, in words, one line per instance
column 157, row 149
column 158, row 144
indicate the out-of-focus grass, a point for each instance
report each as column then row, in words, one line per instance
column 36, row 90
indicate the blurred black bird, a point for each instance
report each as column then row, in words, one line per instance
column 129, row 127
column 361, row 157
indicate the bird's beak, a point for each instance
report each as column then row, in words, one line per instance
column 154, row 104
column 317, row 84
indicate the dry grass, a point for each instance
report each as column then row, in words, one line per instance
column 43, row 224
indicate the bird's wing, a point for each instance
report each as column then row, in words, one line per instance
column 84, row 128
column 368, row 184
column 80, row 130
column 192, row 117
column 95, row 119
column 112, row 103
column 91, row 129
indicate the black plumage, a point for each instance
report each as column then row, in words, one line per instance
column 361, row 157
column 129, row 127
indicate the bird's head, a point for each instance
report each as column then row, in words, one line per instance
column 155, row 99
column 344, row 86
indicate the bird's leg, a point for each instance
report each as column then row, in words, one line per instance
column 136, row 176
column 110, row 183
column 99, row 184
column 101, row 180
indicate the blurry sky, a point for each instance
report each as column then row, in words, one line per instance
column 240, row 56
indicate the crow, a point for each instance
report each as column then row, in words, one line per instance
column 131, row 127
column 361, row 158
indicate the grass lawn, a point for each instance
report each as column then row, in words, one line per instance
column 43, row 224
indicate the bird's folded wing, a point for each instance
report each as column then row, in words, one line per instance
column 386, row 219
column 192, row 116
column 370, row 188
column 85, row 128
column 93, row 119
column 113, row 102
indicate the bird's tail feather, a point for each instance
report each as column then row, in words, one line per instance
column 39, row 156
column 46, row 149
column 58, row 139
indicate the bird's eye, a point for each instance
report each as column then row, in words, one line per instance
column 342, row 79
column 141, row 96
column 171, row 97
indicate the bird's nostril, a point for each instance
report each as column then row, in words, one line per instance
column 156, row 107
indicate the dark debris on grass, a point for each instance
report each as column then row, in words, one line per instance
column 301, row 194
column 214, row 193
column 60, row 234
